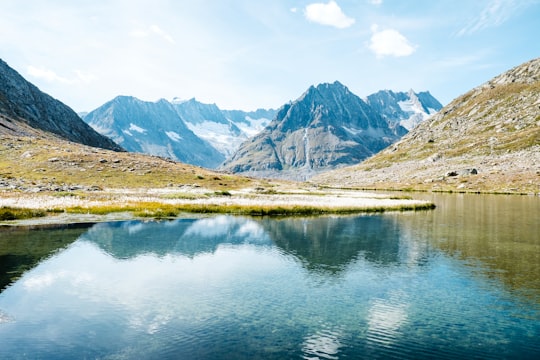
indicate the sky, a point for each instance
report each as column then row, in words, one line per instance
column 249, row 54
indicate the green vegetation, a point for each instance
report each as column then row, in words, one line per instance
column 160, row 210
column 10, row 213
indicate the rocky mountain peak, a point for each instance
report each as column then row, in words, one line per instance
column 153, row 128
column 195, row 112
column 22, row 102
column 324, row 91
column 327, row 127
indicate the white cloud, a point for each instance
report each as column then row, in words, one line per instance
column 138, row 33
column 153, row 29
column 494, row 14
column 390, row 42
column 158, row 31
column 376, row 2
column 294, row 10
column 328, row 14
column 84, row 77
column 46, row 74
column 51, row 76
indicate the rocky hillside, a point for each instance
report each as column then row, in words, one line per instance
column 485, row 140
column 24, row 109
column 326, row 128
column 153, row 128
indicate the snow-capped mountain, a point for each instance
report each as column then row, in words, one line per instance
column 486, row 140
column 251, row 122
column 188, row 131
column 153, row 128
column 407, row 109
column 224, row 129
column 327, row 127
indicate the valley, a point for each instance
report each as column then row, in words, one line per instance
column 300, row 162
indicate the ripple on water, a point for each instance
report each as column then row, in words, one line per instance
column 323, row 344
column 5, row 318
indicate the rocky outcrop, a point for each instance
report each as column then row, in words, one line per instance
column 493, row 129
column 24, row 108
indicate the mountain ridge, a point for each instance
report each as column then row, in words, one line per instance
column 25, row 109
column 153, row 128
column 226, row 130
column 326, row 127
column 484, row 138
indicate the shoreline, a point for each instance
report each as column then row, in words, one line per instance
column 159, row 203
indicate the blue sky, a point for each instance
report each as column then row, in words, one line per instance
column 246, row 54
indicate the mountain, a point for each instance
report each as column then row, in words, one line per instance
column 25, row 110
column 153, row 128
column 251, row 122
column 224, row 130
column 327, row 127
column 485, row 140
column 406, row 109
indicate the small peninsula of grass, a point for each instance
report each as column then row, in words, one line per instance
column 160, row 210
column 165, row 205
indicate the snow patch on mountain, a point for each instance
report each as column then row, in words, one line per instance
column 253, row 126
column 370, row 131
column 407, row 109
column 219, row 135
column 133, row 127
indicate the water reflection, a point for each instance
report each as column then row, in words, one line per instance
column 324, row 344
column 385, row 318
column 189, row 237
column 22, row 248
column 501, row 232
column 323, row 244
column 329, row 244
column 401, row 285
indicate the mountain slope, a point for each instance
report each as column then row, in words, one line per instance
column 153, row 128
column 25, row 109
column 327, row 127
column 485, row 140
column 224, row 130
column 406, row 109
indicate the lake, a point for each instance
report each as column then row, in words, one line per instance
column 461, row 281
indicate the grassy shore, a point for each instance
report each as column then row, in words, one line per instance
column 160, row 203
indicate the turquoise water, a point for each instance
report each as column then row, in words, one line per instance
column 462, row 281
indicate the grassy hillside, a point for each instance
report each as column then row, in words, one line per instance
column 47, row 163
column 487, row 140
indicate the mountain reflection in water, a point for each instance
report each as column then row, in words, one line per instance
column 321, row 244
column 437, row 284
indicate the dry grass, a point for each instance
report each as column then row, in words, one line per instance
column 159, row 204
column 45, row 161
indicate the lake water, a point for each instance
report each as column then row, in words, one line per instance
column 462, row 281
